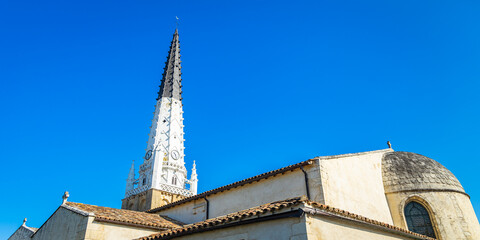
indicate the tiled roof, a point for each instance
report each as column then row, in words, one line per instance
column 293, row 203
column 209, row 223
column 406, row 171
column 234, row 185
column 125, row 217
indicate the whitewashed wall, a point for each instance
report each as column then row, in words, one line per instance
column 320, row 228
column 281, row 187
column 63, row 224
column 353, row 182
column 282, row 229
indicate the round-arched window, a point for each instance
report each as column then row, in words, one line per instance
column 418, row 219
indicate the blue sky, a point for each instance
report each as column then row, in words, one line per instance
column 266, row 84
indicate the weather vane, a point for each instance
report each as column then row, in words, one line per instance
column 176, row 22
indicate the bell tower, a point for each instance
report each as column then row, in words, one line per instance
column 162, row 177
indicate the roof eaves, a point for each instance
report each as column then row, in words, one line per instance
column 270, row 211
column 354, row 154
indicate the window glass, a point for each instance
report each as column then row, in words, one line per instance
column 418, row 219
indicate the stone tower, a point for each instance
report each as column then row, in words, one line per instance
column 162, row 176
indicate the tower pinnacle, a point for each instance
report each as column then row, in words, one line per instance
column 131, row 178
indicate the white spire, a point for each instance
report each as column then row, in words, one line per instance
column 163, row 167
column 194, row 179
column 131, row 178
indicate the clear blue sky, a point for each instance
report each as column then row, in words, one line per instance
column 266, row 84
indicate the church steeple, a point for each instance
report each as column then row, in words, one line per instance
column 163, row 168
column 171, row 86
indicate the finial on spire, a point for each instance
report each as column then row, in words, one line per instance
column 24, row 222
column 389, row 144
column 176, row 24
column 65, row 197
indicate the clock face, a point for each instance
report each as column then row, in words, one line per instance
column 148, row 155
column 175, row 154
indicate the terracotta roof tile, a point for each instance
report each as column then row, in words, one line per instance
column 271, row 207
column 126, row 217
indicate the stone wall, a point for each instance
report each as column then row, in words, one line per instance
column 22, row 233
column 149, row 199
column 353, row 182
column 320, row 228
column 281, row 229
column 63, row 224
column 280, row 187
column 105, row 231
column 451, row 213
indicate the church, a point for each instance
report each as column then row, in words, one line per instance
column 382, row 194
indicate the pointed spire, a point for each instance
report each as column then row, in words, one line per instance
column 194, row 169
column 194, row 179
column 131, row 178
column 131, row 174
column 171, row 80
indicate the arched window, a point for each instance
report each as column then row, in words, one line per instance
column 174, row 180
column 418, row 219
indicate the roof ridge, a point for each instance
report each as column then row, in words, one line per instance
column 119, row 209
column 386, row 150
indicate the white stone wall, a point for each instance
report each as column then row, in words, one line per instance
column 281, row 229
column 22, row 233
column 282, row 186
column 63, row 224
column 107, row 231
column 451, row 213
column 299, row 228
column 66, row 224
column 321, row 228
column 353, row 182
